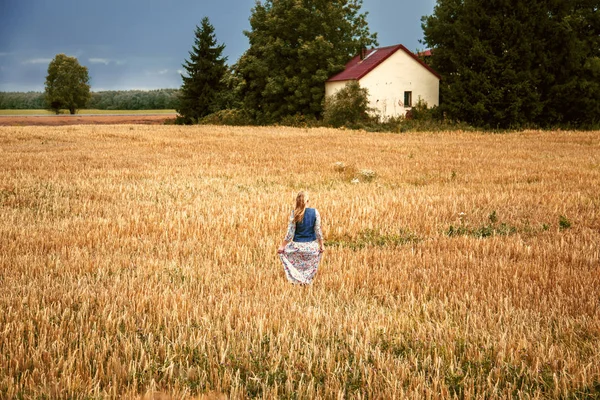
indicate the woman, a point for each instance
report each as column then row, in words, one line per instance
column 302, row 246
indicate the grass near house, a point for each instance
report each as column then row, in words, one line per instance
column 85, row 111
column 141, row 259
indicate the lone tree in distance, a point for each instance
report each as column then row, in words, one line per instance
column 67, row 84
column 205, row 71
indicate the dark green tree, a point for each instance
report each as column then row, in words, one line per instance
column 203, row 80
column 513, row 63
column 572, row 84
column 349, row 106
column 67, row 84
column 295, row 46
column 229, row 96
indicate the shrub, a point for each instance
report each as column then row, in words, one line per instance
column 419, row 118
column 299, row 121
column 347, row 107
column 563, row 223
column 353, row 174
column 227, row 117
column 422, row 112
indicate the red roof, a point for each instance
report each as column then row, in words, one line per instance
column 357, row 68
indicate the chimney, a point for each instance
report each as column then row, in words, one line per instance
column 363, row 53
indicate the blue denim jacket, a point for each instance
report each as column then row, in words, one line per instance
column 305, row 230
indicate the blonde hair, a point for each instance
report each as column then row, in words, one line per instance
column 301, row 200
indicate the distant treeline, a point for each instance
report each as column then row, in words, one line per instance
column 161, row 99
column 22, row 101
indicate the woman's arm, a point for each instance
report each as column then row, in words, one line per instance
column 282, row 246
column 318, row 231
column 289, row 235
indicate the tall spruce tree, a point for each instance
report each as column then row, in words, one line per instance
column 203, row 80
column 513, row 63
column 295, row 46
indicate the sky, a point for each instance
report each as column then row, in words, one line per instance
column 141, row 44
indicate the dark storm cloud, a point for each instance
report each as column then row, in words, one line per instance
column 129, row 44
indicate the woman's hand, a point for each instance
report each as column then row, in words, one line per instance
column 280, row 249
column 321, row 249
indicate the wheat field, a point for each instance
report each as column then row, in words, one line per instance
column 140, row 262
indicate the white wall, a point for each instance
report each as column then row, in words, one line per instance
column 390, row 79
column 331, row 88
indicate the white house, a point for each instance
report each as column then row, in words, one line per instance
column 395, row 77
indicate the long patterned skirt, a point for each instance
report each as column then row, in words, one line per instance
column 300, row 261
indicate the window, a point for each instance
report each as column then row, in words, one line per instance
column 407, row 99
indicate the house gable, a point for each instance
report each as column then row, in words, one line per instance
column 357, row 68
